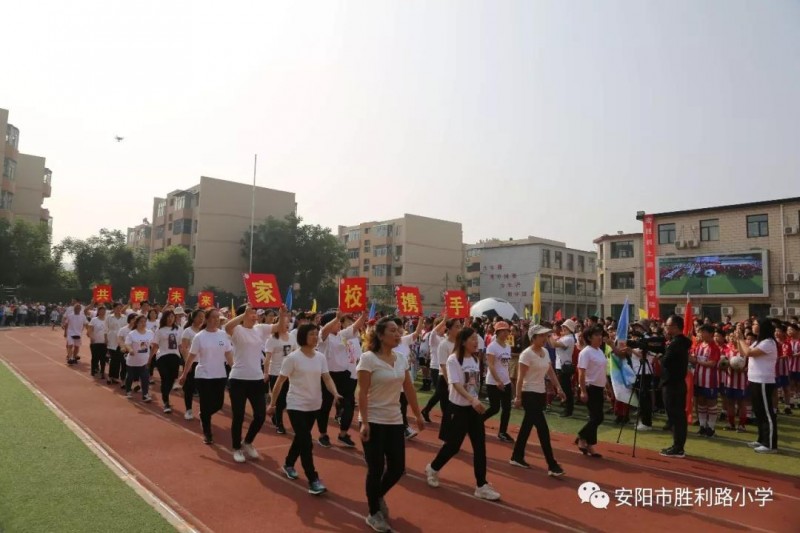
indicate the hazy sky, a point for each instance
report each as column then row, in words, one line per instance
column 553, row 118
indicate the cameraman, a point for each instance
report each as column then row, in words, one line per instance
column 674, row 366
column 642, row 363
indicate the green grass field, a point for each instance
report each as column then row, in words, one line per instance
column 50, row 481
column 720, row 284
column 725, row 447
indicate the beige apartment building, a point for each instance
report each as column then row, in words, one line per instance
column 620, row 273
column 139, row 236
column 411, row 250
column 210, row 220
column 741, row 260
column 25, row 182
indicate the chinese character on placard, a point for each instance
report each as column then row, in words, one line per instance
column 101, row 294
column 456, row 304
column 409, row 301
column 262, row 290
column 176, row 295
column 139, row 294
column 205, row 299
column 353, row 295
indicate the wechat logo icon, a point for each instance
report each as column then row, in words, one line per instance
column 590, row 493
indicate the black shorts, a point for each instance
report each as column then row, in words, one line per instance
column 424, row 362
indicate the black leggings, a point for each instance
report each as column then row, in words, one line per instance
column 463, row 421
column 436, row 396
column 595, row 404
column 280, row 404
column 498, row 398
column 98, row 351
column 212, row 396
column 117, row 369
column 302, row 422
column 189, row 388
column 242, row 391
column 565, row 380
column 346, row 386
column 167, row 366
column 761, row 398
column 534, row 404
column 385, row 452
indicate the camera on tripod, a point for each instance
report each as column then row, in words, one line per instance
column 655, row 344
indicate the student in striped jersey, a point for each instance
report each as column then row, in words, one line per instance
column 793, row 334
column 706, row 358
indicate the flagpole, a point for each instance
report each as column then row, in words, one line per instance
column 253, row 210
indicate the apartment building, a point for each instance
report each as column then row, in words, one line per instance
column 210, row 220
column 620, row 273
column 741, row 260
column 26, row 180
column 411, row 250
column 138, row 237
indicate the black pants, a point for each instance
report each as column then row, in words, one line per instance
column 404, row 408
column 346, row 386
column 140, row 374
column 117, row 369
column 385, row 452
column 302, row 422
column 98, row 351
column 761, row 398
column 463, row 421
column 436, row 396
column 242, row 391
column 534, row 404
column 497, row 399
column 167, row 366
column 595, row 404
column 644, row 386
column 675, row 404
column 189, row 388
column 565, row 380
column 280, row 403
column 212, row 396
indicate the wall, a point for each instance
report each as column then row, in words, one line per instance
column 432, row 249
column 29, row 188
column 633, row 264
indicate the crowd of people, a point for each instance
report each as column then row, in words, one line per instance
column 26, row 314
column 307, row 366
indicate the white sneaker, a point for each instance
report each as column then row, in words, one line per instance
column 764, row 449
column 377, row 522
column 432, row 476
column 410, row 433
column 238, row 456
column 487, row 493
column 188, row 415
column 643, row 427
column 251, row 451
column 147, row 398
column 754, row 444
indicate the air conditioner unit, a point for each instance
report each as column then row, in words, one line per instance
column 692, row 243
column 680, row 245
column 792, row 278
column 459, row 278
column 727, row 311
column 679, row 309
column 793, row 296
column 792, row 311
column 791, row 230
column 775, row 311
column 696, row 310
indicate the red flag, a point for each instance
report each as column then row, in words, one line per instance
column 353, row 295
column 558, row 316
column 139, row 295
column 262, row 290
column 205, row 299
column 176, row 295
column 688, row 318
column 456, row 304
column 409, row 301
column 101, row 294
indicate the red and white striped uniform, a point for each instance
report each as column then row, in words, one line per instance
column 722, row 373
column 706, row 376
column 794, row 362
column 784, row 355
column 737, row 379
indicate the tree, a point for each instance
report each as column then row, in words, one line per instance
column 171, row 267
column 298, row 253
column 26, row 256
column 106, row 258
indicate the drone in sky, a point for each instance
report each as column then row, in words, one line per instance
column 118, row 138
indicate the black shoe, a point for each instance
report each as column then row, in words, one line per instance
column 426, row 415
column 787, row 411
column 672, row 452
column 505, row 437
column 346, row 440
column 281, row 430
column 555, row 471
column 702, row 432
column 324, row 441
column 137, row 388
column 208, row 439
column 519, row 463
column 710, row 432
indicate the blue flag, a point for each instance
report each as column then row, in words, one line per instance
column 372, row 311
column 288, row 300
column 622, row 325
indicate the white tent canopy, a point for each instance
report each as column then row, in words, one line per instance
column 494, row 307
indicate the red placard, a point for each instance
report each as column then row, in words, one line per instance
column 205, row 299
column 262, row 290
column 409, row 301
column 139, row 295
column 176, row 295
column 101, row 294
column 456, row 304
column 353, row 295
column 650, row 274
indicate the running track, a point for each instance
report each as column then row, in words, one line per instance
column 212, row 493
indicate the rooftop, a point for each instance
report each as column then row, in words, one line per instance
column 618, row 235
column 641, row 214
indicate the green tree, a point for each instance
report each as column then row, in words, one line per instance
column 26, row 256
column 298, row 253
column 106, row 258
column 171, row 267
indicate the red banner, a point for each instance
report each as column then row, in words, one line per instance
column 176, row 295
column 650, row 274
column 262, row 290
column 353, row 295
column 205, row 299
column 409, row 301
column 456, row 304
column 101, row 294
column 139, row 295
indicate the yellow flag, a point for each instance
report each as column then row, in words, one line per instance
column 536, row 310
column 314, row 305
column 642, row 314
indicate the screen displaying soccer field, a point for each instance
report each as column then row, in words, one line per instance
column 743, row 274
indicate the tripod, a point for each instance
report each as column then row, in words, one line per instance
column 637, row 389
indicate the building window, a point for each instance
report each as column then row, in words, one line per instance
column 757, row 226
column 591, row 288
column 398, row 251
column 398, row 271
column 570, row 262
column 354, row 235
column 352, row 272
column 398, row 230
column 621, row 249
column 380, row 251
column 557, row 260
column 9, row 168
column 169, row 227
column 581, row 287
column 384, row 230
column 379, row 270
column 180, row 202
column 366, row 268
column 545, row 258
column 169, row 241
column 592, row 265
column 160, row 232
column 709, row 230
column 160, row 209
column 622, row 280
column 12, row 135
column 6, row 200
column 558, row 285
column 581, row 263
column 194, row 251
column 569, row 286
column 195, row 226
column 366, row 245
column 177, row 227
column 353, row 253
column 666, row 233
column 546, row 283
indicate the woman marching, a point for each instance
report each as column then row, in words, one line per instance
column 464, row 415
column 592, row 379
column 305, row 369
column 168, row 359
column 383, row 375
column 196, row 321
column 139, row 344
column 211, row 348
column 278, row 347
column 98, row 342
column 534, row 367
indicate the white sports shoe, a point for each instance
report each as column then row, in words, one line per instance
column 377, row 522
column 754, row 444
column 643, row 427
column 487, row 493
column 432, row 476
column 251, row 451
column 188, row 415
column 238, row 456
column 764, row 449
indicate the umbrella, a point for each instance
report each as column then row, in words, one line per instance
column 493, row 307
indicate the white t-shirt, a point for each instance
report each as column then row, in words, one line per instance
column 188, row 335
column 335, row 349
column 139, row 344
column 468, row 374
column 442, row 353
column 354, row 355
column 280, row 349
column 761, row 369
column 305, row 385
column 209, row 349
column 385, row 386
column 75, row 324
column 564, row 355
column 152, row 325
column 99, row 330
column 502, row 356
column 168, row 340
column 434, row 340
column 538, row 364
column 594, row 362
column 113, row 327
column 53, row 316
column 247, row 356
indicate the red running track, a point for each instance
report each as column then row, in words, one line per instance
column 211, row 492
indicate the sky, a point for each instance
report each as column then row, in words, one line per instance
column 559, row 119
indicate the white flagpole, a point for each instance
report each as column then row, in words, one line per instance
column 253, row 211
